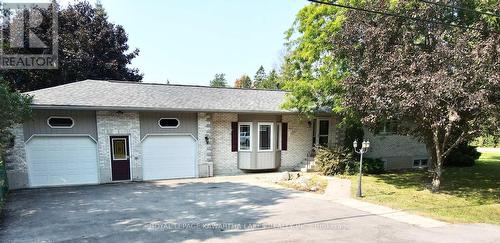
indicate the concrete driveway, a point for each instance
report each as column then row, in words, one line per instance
column 205, row 210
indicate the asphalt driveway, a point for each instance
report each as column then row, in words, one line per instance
column 202, row 210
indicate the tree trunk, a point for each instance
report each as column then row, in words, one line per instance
column 436, row 174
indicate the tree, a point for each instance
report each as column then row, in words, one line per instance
column 441, row 83
column 243, row 82
column 309, row 71
column 259, row 78
column 219, row 80
column 15, row 108
column 90, row 47
column 272, row 81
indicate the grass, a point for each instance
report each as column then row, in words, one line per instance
column 317, row 183
column 467, row 195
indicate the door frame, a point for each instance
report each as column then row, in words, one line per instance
column 127, row 137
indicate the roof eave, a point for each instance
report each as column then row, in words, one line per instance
column 122, row 108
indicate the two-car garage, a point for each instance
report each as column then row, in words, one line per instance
column 73, row 148
column 72, row 160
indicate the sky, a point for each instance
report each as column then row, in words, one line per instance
column 188, row 42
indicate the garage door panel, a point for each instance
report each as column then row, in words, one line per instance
column 167, row 157
column 62, row 161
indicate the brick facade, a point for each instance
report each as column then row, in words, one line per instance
column 15, row 160
column 110, row 123
column 398, row 151
column 205, row 161
column 225, row 161
column 299, row 141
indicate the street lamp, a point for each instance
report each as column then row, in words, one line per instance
column 364, row 148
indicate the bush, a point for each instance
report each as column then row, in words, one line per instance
column 463, row 155
column 332, row 161
column 370, row 166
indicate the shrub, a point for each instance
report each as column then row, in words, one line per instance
column 463, row 155
column 372, row 166
column 332, row 161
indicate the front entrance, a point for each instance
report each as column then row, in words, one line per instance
column 120, row 158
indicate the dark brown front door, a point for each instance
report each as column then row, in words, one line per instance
column 120, row 158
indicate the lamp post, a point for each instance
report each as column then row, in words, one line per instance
column 364, row 148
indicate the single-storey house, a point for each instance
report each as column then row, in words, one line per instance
column 93, row 132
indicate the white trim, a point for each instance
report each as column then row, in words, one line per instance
column 250, row 136
column 271, row 148
column 168, row 134
column 171, row 127
column 196, row 169
column 127, row 156
column 60, row 135
column 61, row 117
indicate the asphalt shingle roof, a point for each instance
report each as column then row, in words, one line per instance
column 145, row 96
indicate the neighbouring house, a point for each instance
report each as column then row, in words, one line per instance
column 93, row 132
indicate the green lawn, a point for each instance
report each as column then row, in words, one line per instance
column 468, row 195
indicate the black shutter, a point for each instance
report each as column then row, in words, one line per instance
column 234, row 136
column 284, row 136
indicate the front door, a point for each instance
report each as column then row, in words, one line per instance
column 120, row 158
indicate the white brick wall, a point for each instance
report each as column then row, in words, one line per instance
column 299, row 142
column 15, row 160
column 225, row 161
column 111, row 123
column 398, row 151
column 205, row 165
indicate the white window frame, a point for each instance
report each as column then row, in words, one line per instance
column 239, row 136
column 127, row 156
column 61, row 117
column 178, row 122
column 271, row 145
column 420, row 163
column 280, row 135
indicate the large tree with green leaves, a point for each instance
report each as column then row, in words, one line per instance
column 15, row 108
column 440, row 82
column 310, row 71
column 90, row 47
column 219, row 80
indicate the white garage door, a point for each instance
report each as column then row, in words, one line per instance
column 54, row 161
column 166, row 157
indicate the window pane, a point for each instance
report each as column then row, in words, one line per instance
column 244, row 137
column 119, row 149
column 265, row 137
column 323, row 141
column 60, row 122
column 169, row 122
column 323, row 127
column 423, row 162
column 416, row 163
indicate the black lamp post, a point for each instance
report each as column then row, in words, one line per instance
column 364, row 148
